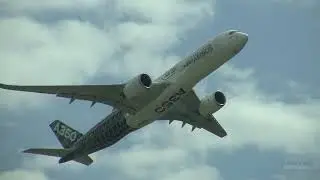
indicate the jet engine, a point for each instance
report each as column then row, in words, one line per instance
column 137, row 86
column 212, row 103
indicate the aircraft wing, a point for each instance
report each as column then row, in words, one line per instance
column 187, row 112
column 105, row 94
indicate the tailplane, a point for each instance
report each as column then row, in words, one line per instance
column 86, row 160
column 67, row 137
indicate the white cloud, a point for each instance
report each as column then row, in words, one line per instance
column 38, row 5
column 51, row 54
column 34, row 53
column 180, row 11
column 197, row 172
column 22, row 174
column 145, row 161
column 70, row 52
column 251, row 117
column 140, row 161
column 269, row 122
column 44, row 163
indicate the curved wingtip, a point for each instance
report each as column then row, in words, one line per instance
column 3, row 86
column 223, row 134
column 27, row 151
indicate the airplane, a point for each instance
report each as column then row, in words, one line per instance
column 141, row 101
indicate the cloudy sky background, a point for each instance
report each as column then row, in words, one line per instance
column 272, row 113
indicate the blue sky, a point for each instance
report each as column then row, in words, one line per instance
column 271, row 86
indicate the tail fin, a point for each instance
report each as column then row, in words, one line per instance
column 66, row 135
column 86, row 160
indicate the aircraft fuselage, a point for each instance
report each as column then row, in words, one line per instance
column 183, row 77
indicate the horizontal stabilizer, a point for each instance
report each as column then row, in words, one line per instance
column 86, row 160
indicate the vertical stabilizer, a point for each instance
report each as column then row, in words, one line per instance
column 66, row 135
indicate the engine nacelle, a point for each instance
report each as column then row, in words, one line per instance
column 137, row 86
column 212, row 103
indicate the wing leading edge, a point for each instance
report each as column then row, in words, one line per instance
column 187, row 112
column 105, row 94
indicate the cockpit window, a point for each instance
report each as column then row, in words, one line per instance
column 231, row 32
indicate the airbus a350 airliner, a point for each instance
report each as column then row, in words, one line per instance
column 141, row 101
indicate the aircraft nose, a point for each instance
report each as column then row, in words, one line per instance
column 243, row 37
column 241, row 40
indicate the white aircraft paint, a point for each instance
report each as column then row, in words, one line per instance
column 189, row 72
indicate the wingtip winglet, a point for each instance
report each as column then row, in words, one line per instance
column 223, row 134
column 26, row 151
column 5, row 86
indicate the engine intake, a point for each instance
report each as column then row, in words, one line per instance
column 137, row 86
column 212, row 103
column 145, row 80
column 220, row 98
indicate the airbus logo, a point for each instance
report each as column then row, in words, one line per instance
column 206, row 50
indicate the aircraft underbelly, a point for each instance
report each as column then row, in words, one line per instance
column 106, row 133
column 183, row 83
column 201, row 69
